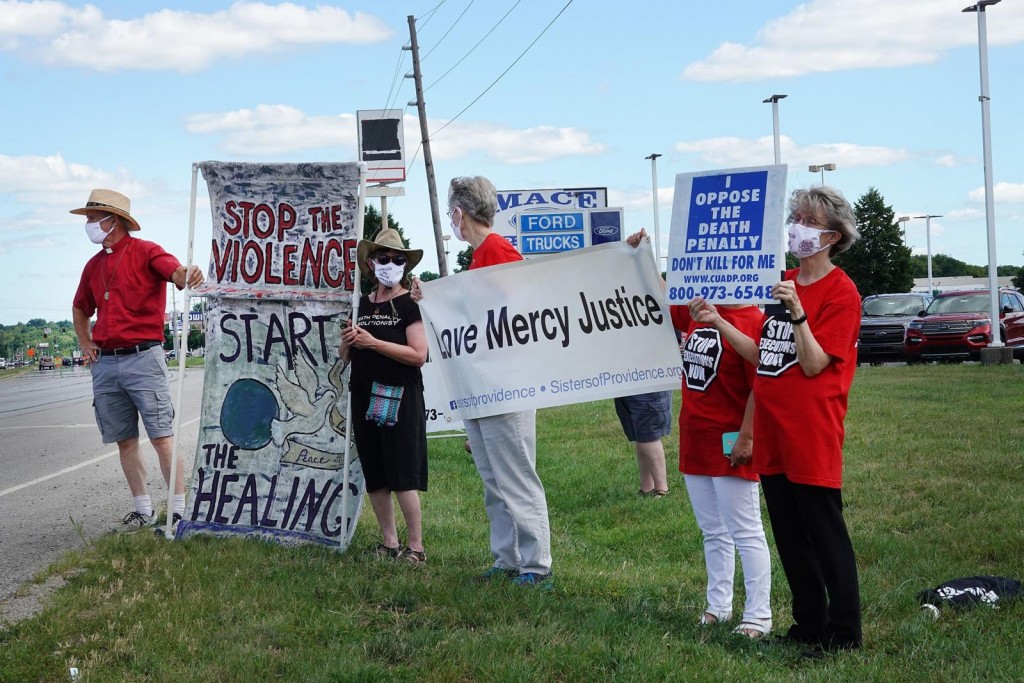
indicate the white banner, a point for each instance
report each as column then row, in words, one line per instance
column 727, row 235
column 560, row 329
column 440, row 418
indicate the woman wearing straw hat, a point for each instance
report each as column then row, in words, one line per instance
column 387, row 347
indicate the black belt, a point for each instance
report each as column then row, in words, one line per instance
column 129, row 350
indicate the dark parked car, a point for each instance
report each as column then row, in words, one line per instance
column 957, row 326
column 46, row 363
column 883, row 324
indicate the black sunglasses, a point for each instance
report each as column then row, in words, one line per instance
column 397, row 259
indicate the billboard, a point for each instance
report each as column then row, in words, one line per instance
column 512, row 202
column 381, row 144
column 542, row 231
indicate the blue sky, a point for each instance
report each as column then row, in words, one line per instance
column 127, row 95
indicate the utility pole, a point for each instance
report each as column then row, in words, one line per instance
column 428, row 159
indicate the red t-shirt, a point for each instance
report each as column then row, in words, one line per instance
column 716, row 385
column 798, row 420
column 494, row 250
column 135, row 274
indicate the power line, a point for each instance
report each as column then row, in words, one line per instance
column 394, row 79
column 430, row 14
column 450, row 28
column 493, row 28
column 477, row 98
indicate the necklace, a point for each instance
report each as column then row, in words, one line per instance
column 107, row 283
column 379, row 305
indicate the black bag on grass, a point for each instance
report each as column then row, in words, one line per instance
column 971, row 591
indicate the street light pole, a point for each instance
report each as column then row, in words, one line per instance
column 986, row 138
column 774, row 99
column 654, row 188
column 928, row 241
column 822, row 167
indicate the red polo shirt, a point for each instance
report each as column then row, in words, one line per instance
column 134, row 273
column 493, row 251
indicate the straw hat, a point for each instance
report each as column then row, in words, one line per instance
column 387, row 239
column 110, row 202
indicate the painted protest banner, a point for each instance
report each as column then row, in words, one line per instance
column 726, row 238
column 555, row 330
column 511, row 202
column 271, row 452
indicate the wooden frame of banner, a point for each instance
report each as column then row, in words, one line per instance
column 350, row 437
column 182, row 356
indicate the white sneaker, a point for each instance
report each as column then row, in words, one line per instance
column 136, row 518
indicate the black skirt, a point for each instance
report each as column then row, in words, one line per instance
column 393, row 458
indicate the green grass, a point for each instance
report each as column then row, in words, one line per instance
column 933, row 491
column 191, row 362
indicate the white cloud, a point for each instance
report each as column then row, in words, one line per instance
column 731, row 152
column 954, row 161
column 640, row 200
column 52, row 181
column 175, row 40
column 511, row 145
column 31, row 243
column 1009, row 193
column 967, row 215
column 40, row 19
column 275, row 129
column 279, row 129
column 37, row 192
column 823, row 36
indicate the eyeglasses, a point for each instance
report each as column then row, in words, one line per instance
column 809, row 221
column 397, row 259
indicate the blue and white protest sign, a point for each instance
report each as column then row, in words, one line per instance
column 560, row 329
column 727, row 235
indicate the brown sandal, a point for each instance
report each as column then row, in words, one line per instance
column 387, row 551
column 413, row 557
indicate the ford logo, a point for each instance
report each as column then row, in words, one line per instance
column 881, row 334
column 606, row 230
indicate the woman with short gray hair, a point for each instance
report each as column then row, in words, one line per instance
column 476, row 196
column 806, row 359
column 504, row 447
column 836, row 213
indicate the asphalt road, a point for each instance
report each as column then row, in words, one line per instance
column 59, row 484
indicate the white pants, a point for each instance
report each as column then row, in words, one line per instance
column 505, row 452
column 728, row 512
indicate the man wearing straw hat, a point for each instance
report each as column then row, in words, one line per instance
column 124, row 285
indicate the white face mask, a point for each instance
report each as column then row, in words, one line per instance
column 96, row 232
column 457, row 224
column 805, row 241
column 389, row 274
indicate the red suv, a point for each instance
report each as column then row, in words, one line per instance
column 956, row 326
